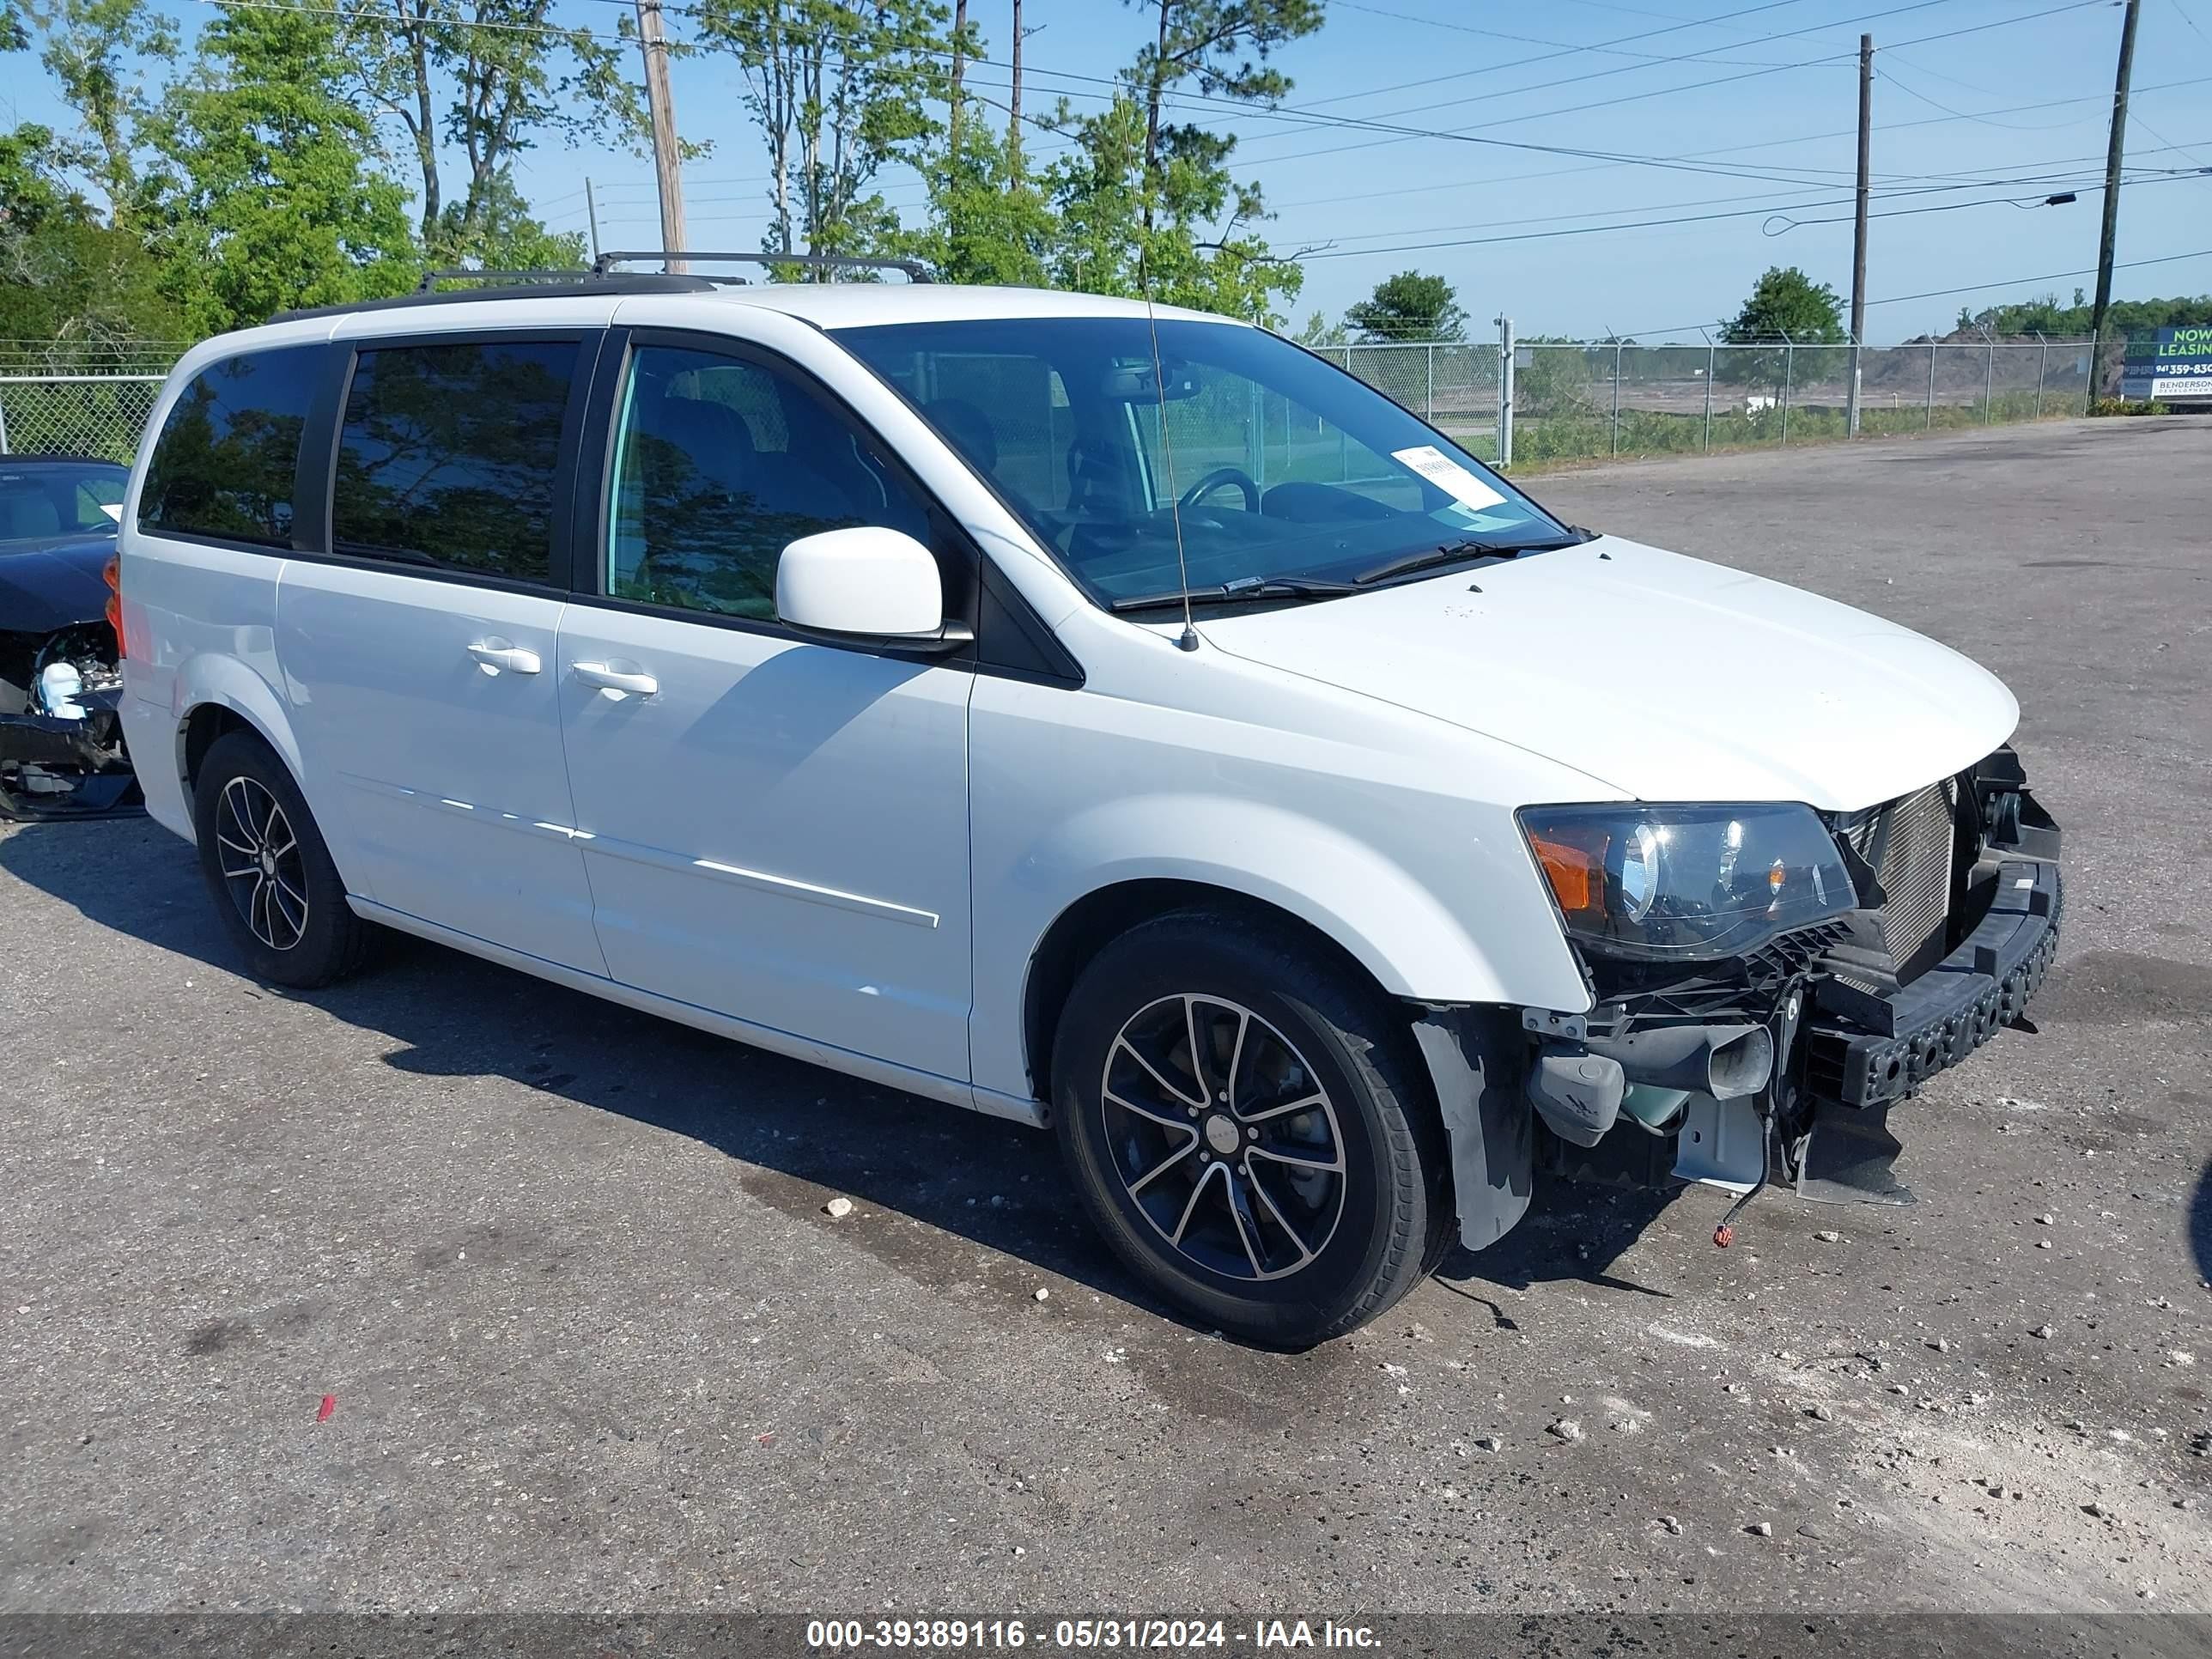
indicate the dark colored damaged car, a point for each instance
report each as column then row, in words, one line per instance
column 61, row 743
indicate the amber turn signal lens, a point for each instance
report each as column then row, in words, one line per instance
column 1574, row 863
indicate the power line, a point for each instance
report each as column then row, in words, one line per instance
column 1597, row 74
column 2041, row 182
column 1762, row 145
column 2047, row 276
column 1565, row 48
column 1470, row 134
column 1972, row 287
column 1564, row 51
column 1770, row 211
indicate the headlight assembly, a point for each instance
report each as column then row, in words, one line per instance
column 1680, row 882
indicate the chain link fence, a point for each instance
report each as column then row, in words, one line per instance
column 76, row 414
column 1563, row 402
column 1585, row 400
column 1452, row 386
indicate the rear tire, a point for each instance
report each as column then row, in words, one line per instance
column 278, row 893
column 1249, row 1129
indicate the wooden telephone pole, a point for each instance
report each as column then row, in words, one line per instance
column 2115, row 152
column 660, row 105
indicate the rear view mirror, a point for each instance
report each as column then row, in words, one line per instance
column 865, row 584
column 1137, row 384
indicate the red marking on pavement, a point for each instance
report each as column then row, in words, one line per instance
column 323, row 1412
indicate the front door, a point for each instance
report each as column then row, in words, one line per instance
column 420, row 663
column 773, row 830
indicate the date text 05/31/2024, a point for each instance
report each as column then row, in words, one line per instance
column 836, row 1635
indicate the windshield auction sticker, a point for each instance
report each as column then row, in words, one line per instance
column 1447, row 474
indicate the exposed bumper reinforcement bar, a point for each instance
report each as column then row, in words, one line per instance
column 1866, row 1049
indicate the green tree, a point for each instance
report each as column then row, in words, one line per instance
column 483, row 79
column 1409, row 306
column 1786, row 307
column 77, row 287
column 1184, row 232
column 2047, row 315
column 273, row 194
column 86, row 46
column 1319, row 332
column 839, row 90
column 497, row 232
column 1222, row 45
column 1148, row 205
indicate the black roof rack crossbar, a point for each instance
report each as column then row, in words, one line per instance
column 460, row 274
column 914, row 269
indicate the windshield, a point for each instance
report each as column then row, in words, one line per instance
column 1285, row 467
column 42, row 500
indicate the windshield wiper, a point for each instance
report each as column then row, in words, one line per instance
column 1237, row 592
column 1457, row 553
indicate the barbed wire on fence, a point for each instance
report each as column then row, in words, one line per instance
column 1568, row 400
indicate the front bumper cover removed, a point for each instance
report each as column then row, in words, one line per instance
column 1864, row 1049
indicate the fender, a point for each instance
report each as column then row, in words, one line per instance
column 210, row 676
column 1413, row 945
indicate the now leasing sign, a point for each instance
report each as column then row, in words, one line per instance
column 2176, row 364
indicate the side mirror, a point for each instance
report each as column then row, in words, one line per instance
column 865, row 585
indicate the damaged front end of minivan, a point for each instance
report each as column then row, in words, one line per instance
column 1766, row 982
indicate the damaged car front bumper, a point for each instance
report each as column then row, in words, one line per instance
column 1780, row 1066
column 62, row 752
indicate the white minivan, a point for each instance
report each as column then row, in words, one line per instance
column 1117, row 720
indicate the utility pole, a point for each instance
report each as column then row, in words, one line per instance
column 1859, row 230
column 1505, row 354
column 591, row 213
column 2114, row 152
column 660, row 104
column 959, row 65
column 1014, row 102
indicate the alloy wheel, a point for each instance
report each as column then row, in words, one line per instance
column 1222, row 1138
column 259, row 857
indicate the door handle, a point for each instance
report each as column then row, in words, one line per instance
column 498, row 657
column 613, row 679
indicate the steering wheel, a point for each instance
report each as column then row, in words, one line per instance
column 1214, row 481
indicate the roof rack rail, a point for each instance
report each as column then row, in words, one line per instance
column 915, row 270
column 573, row 285
column 461, row 274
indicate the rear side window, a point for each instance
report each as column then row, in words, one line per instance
column 448, row 453
column 224, row 463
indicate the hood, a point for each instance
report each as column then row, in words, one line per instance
column 1665, row 677
column 52, row 584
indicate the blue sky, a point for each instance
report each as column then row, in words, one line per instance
column 1753, row 105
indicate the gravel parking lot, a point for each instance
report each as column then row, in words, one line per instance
column 588, row 1339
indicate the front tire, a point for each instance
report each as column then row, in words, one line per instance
column 1249, row 1130
column 273, row 884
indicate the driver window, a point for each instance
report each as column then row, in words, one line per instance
column 719, row 464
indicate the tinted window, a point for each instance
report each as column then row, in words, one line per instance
column 448, row 452
column 224, row 463
column 718, row 465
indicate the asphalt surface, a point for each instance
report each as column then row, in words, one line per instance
column 589, row 1341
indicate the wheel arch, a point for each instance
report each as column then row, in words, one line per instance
column 218, row 695
column 1088, row 924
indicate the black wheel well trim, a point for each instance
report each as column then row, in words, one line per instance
column 204, row 725
column 1086, row 926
